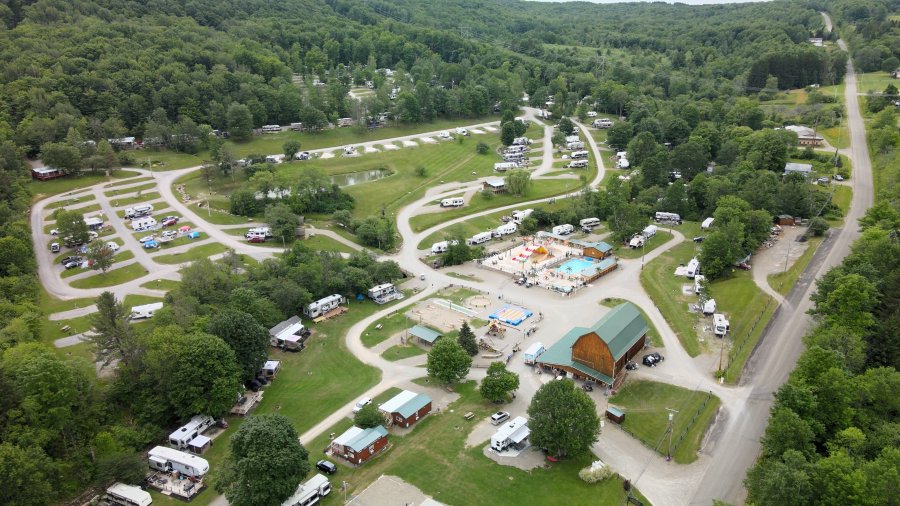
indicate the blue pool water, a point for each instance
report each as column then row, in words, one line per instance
column 575, row 266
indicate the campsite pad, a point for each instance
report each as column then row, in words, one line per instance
column 327, row 154
column 512, row 315
column 681, row 270
column 370, row 149
column 391, row 147
column 409, row 144
column 476, row 131
column 490, row 129
column 437, row 315
column 687, row 289
column 428, row 140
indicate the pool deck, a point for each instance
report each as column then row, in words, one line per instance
column 537, row 259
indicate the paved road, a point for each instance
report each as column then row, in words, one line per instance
column 768, row 368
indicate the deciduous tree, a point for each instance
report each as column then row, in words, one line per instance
column 498, row 383
column 248, row 339
column 282, row 220
column 367, row 417
column 563, row 419
column 71, row 225
column 518, row 181
column 112, row 336
column 100, row 255
column 240, row 121
column 448, row 362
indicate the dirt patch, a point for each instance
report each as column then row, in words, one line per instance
column 429, row 313
column 479, row 301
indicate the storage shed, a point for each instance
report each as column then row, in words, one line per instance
column 615, row 414
column 406, row 408
column 599, row 352
column 358, row 445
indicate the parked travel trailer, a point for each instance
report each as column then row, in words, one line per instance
column 572, row 138
column 264, row 232
column 622, row 163
column 565, row 229
column 578, row 154
column 445, row 135
column 345, row 122
column 667, row 217
column 578, row 164
column 698, row 283
column 506, row 229
column 481, row 238
column 187, row 432
column 120, row 494
column 511, row 434
column 384, row 293
column 320, row 484
column 575, row 145
column 138, row 211
column 521, row 141
column 453, row 202
column 721, row 326
column 516, row 148
column 296, row 127
column 707, row 223
column 533, row 352
column 514, row 157
column 145, row 311
column 273, row 159
column 310, row 492
column 143, row 223
column 169, row 460
column 462, row 131
column 441, row 247
column 518, row 216
column 93, row 223
column 324, row 305
column 709, row 307
column 636, row 242
column 505, row 166
column 693, row 268
column 589, row 224
column 602, row 123
column 271, row 129
column 649, row 231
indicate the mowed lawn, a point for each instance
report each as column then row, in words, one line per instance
column 660, row 238
column 646, row 417
column 434, row 457
column 111, row 277
column 390, row 325
column 659, row 280
column 43, row 189
column 401, row 351
column 746, row 305
column 195, row 253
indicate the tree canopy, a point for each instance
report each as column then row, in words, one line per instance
column 563, row 419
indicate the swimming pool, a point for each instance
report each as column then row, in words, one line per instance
column 575, row 266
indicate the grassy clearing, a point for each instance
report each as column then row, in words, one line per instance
column 655, row 339
column 128, row 181
column 51, row 331
column 664, row 288
column 162, row 284
column 743, row 302
column 43, row 189
column 321, row 242
column 843, row 196
column 645, row 403
column 390, row 325
column 163, row 160
column 50, row 304
column 660, row 238
column 70, row 202
column 401, row 351
column 837, row 136
column 874, row 82
column 118, row 257
column 133, row 189
column 464, row 277
column 782, row 282
column 111, row 278
column 137, row 199
column 132, row 300
column 201, row 251
column 434, row 457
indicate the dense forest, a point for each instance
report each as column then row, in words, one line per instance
column 687, row 82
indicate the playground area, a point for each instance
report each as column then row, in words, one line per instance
column 441, row 314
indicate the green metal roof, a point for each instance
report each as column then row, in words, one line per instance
column 413, row 405
column 426, row 334
column 615, row 411
column 620, row 328
column 367, row 438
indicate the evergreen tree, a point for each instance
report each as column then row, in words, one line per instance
column 466, row 339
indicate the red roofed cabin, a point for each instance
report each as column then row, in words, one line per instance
column 358, row 445
column 46, row 173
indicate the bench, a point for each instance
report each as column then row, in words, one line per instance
column 469, row 415
column 66, row 328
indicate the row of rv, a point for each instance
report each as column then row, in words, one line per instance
column 512, row 227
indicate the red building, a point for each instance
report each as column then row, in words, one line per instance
column 359, row 445
column 45, row 173
column 406, row 408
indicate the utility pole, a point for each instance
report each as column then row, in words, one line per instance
column 787, row 257
column 669, row 429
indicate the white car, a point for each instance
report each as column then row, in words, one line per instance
column 170, row 234
column 54, row 231
column 361, row 404
column 112, row 246
column 92, row 235
column 147, row 238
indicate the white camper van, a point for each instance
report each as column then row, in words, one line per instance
column 578, row 164
column 564, row 229
column 145, row 311
column 579, row 154
column 505, row 229
column 589, row 224
column 187, row 432
column 323, row 305
column 693, row 268
column 649, row 231
column 441, row 247
column 533, row 352
column 481, row 238
column 721, row 326
column 168, row 460
column 453, row 202
column 518, row 216
column 709, row 307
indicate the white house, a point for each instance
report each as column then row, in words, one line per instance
column 513, row 433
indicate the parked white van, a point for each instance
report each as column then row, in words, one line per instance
column 453, row 202
column 565, row 229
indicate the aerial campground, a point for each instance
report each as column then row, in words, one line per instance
column 454, row 252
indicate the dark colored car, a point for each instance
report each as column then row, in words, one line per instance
column 699, row 238
column 72, row 258
column 256, row 238
column 326, row 466
column 631, row 366
column 650, row 360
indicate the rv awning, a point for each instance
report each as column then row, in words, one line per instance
column 159, row 460
column 291, row 339
column 199, row 441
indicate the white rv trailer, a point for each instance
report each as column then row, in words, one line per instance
column 167, row 460
column 572, row 138
column 575, row 145
column 384, row 293
column 324, row 305
column 186, row 433
column 564, row 229
column 589, row 223
column 637, row 241
column 505, row 229
column 121, row 494
column 504, row 166
column 693, row 268
column 649, row 231
column 578, row 164
column 138, row 211
column 143, row 223
column 667, row 217
column 310, row 492
column 521, row 141
column 480, row 238
column 721, row 326
column 271, row 129
column 516, row 148
column 518, row 216
column 533, row 352
column 145, row 311
column 707, row 223
column 453, row 202
column 441, row 247
column 578, row 154
column 709, row 307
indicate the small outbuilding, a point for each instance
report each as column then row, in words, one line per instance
column 270, row 369
column 615, row 414
column 425, row 335
column 289, row 335
column 803, row 169
column 358, row 445
column 46, row 173
column 406, row 408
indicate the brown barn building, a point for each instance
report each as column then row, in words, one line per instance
column 601, row 351
column 596, row 250
column 359, row 445
column 406, row 408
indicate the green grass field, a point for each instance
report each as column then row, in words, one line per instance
column 645, row 403
column 390, row 325
column 163, row 159
column 659, row 280
column 324, row 243
column 837, row 136
column 660, row 238
column 196, row 253
column 70, row 202
column 782, row 282
column 50, row 304
column 111, row 278
column 43, row 189
column 874, row 82
column 137, row 199
column 128, row 181
column 162, row 284
column 133, row 189
column 434, row 457
column 399, row 352
column 743, row 302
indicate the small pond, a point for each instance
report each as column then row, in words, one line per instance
column 355, row 178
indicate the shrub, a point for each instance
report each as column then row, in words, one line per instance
column 594, row 474
column 482, row 148
column 818, row 226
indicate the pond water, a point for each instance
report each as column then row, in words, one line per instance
column 363, row 176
